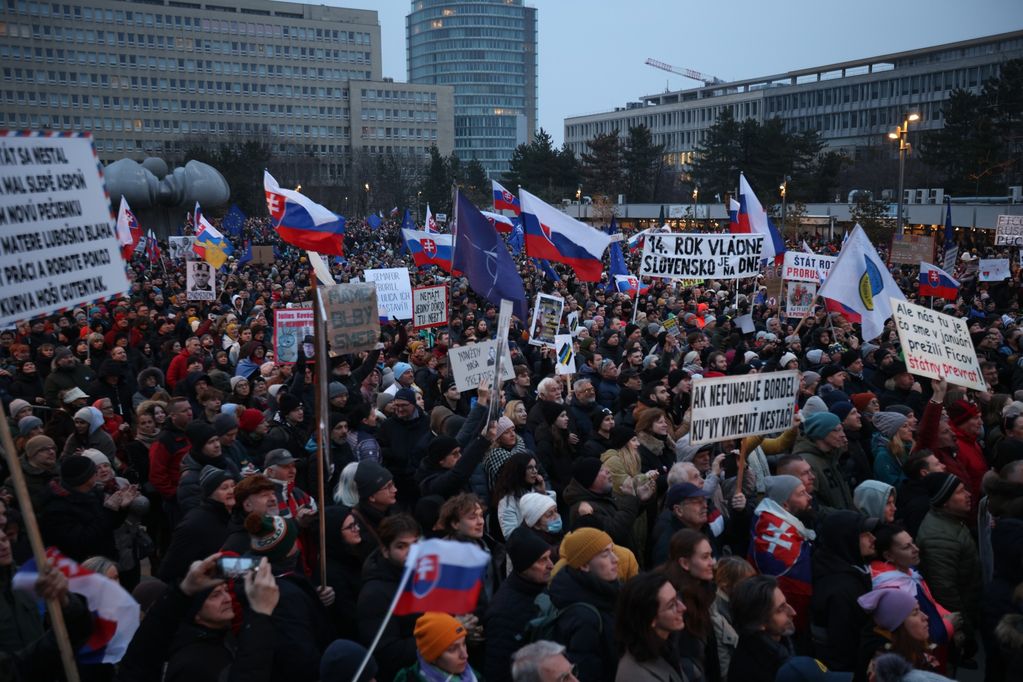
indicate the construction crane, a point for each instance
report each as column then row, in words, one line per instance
column 688, row 73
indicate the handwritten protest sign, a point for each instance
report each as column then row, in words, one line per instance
column 739, row 406
column 993, row 269
column 1009, row 230
column 687, row 256
column 911, row 249
column 546, row 322
column 430, row 306
column 58, row 247
column 471, row 363
column 806, row 267
column 937, row 345
column 291, row 326
column 352, row 318
column 394, row 291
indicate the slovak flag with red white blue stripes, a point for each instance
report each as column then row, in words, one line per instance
column 753, row 219
column 302, row 222
column 429, row 248
column 500, row 222
column 115, row 614
column 552, row 235
column 505, row 200
column 442, row 575
column 936, row 282
column 629, row 284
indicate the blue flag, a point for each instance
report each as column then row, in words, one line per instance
column 246, row 253
column 234, row 221
column 517, row 240
column 407, row 222
column 617, row 264
column 374, row 221
column 545, row 267
column 951, row 248
column 482, row 256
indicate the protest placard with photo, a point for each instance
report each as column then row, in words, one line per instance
column 352, row 317
column 430, row 306
column 936, row 345
column 546, row 322
column 394, row 291
column 291, row 326
column 474, row 361
column 799, row 297
column 687, row 256
column 200, row 281
column 739, row 406
column 180, row 248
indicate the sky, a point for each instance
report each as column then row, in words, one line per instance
column 592, row 52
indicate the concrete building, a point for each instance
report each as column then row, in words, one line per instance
column 486, row 49
column 153, row 77
column 401, row 117
column 853, row 104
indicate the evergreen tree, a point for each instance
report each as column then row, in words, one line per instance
column 437, row 183
column 643, row 161
column 602, row 165
column 537, row 166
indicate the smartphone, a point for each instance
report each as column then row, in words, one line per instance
column 235, row 566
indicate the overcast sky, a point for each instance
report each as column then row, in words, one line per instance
column 592, row 51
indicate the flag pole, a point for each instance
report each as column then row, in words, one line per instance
column 322, row 411
column 809, row 312
column 635, row 304
column 410, row 561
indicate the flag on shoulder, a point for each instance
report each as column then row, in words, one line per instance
column 860, row 281
column 936, row 282
column 428, row 248
column 753, row 219
column 209, row 244
column 128, row 230
column 552, row 235
column 302, row 222
column 442, row 575
column 504, row 200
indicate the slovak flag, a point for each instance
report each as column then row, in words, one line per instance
column 781, row 548
column 431, row 222
column 505, row 200
column 501, row 223
column 628, row 284
column 429, row 248
column 753, row 219
column 115, row 614
column 442, row 575
column 152, row 247
column 209, row 244
column 128, row 230
column 302, row 222
column 552, row 235
column 936, row 282
column 733, row 218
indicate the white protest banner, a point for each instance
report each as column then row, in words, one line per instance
column 352, row 317
column 806, row 267
column 200, row 281
column 993, row 269
column 180, row 248
column 1009, row 230
column 739, row 406
column 502, row 364
column 546, row 322
column 58, row 246
column 565, row 363
column 799, row 298
column 936, row 345
column 745, row 324
column 687, row 256
column 430, row 306
column 394, row 291
column 471, row 363
column 291, row 326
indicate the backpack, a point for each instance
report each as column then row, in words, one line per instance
column 544, row 624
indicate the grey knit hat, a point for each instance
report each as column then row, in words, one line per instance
column 888, row 423
column 780, row 488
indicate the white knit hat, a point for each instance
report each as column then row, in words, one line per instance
column 534, row 505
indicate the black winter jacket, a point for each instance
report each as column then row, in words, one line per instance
column 590, row 643
column 397, row 647
column 201, row 533
column 757, row 658
column 78, row 523
column 505, row 623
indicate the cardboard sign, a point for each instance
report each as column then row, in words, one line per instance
column 799, row 297
column 993, row 269
column 394, row 291
column 910, row 249
column 180, row 248
column 291, row 326
column 564, row 355
column 713, row 256
column 200, row 281
column 502, row 366
column 352, row 317
column 546, row 322
column 800, row 266
column 469, row 364
column 1009, row 230
column 739, row 406
column 936, row 345
column 58, row 245
column 430, row 306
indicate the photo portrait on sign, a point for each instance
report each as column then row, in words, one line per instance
column 546, row 320
column 180, row 248
column 200, row 282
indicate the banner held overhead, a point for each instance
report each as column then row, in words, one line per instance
column 936, row 345
column 686, row 256
column 739, row 406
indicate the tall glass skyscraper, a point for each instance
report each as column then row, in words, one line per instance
column 486, row 49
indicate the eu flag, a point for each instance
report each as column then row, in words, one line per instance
column 234, row 221
column 374, row 221
column 406, row 221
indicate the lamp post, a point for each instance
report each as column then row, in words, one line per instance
column 419, row 210
column 783, row 188
column 696, row 195
column 579, row 202
column 366, row 188
column 901, row 134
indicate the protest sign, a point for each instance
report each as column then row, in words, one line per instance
column 291, row 326
column 546, row 322
column 58, row 246
column 430, row 306
column 671, row 326
column 502, row 365
column 936, row 345
column 1009, row 230
column 475, row 361
column 200, row 281
column 352, row 317
column 394, row 291
column 688, row 256
column 799, row 297
column 745, row 324
column 910, row 249
column 565, row 355
column 180, row 248
column 739, row 406
column 806, row 267
column 993, row 269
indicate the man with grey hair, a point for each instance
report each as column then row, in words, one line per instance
column 582, row 407
column 542, row 661
column 548, row 390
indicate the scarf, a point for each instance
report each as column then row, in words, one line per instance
column 769, row 505
column 432, row 673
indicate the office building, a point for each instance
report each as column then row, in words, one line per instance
column 486, row 49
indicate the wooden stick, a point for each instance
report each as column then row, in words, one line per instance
column 813, row 304
column 742, row 466
column 322, row 411
column 67, row 655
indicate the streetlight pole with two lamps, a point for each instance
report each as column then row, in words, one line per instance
column 901, row 133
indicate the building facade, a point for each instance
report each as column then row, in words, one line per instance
column 853, row 104
column 154, row 77
column 486, row 50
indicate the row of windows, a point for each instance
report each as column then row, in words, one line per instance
column 399, row 115
column 388, row 149
column 383, row 133
column 120, row 18
column 417, row 96
column 489, row 41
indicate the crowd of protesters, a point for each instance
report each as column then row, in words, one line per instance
column 879, row 537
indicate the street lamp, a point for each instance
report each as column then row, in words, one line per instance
column 366, row 187
column 696, row 195
column 901, row 133
column 419, row 211
column 783, row 188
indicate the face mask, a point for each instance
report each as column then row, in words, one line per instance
column 555, row 525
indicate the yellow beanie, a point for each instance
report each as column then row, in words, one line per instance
column 435, row 632
column 582, row 545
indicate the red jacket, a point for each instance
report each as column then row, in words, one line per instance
column 165, row 455
column 176, row 371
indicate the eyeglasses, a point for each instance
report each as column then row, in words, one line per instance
column 354, row 525
column 531, row 467
column 570, row 675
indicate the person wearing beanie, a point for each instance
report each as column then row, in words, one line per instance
column 509, row 443
column 377, row 494
column 590, row 492
column 834, row 376
column 822, row 442
column 891, row 446
column 341, row 661
column 513, row 605
column 30, row 426
column 404, row 377
column 39, row 466
column 949, row 559
column 441, row 652
column 808, row 384
column 812, row 406
column 17, row 410
column 88, row 434
column 588, row 574
column 399, row 435
column 287, row 427
column 901, row 627
column 856, row 464
column 67, row 374
column 556, row 442
column 204, row 529
column 905, row 389
column 967, row 426
column 598, row 440
column 446, row 469
column 867, row 403
column 205, row 451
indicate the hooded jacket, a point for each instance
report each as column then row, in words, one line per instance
column 64, row 378
column 397, row 647
column 831, row 489
column 617, row 514
column 589, row 642
column 871, row 497
column 344, row 572
column 201, row 532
